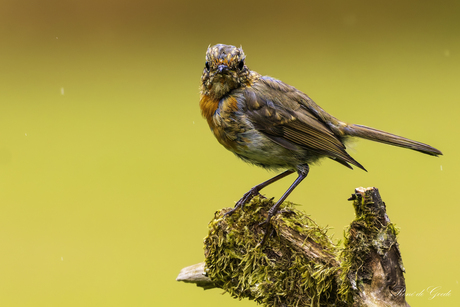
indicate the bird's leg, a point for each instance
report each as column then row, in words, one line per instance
column 273, row 210
column 255, row 190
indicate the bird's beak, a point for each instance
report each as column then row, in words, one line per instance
column 222, row 68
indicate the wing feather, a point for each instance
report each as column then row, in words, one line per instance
column 283, row 119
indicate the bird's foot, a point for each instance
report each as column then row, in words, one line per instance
column 245, row 199
column 268, row 227
column 268, row 230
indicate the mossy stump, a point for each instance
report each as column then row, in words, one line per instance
column 299, row 265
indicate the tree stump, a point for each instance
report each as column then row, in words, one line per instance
column 299, row 265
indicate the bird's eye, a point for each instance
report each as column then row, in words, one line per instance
column 241, row 64
column 206, row 65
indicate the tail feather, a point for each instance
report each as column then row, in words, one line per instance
column 388, row 138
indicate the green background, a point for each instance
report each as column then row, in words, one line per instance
column 109, row 175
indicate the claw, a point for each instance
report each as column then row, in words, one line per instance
column 244, row 200
column 269, row 231
column 255, row 190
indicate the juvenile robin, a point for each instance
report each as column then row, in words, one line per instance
column 271, row 124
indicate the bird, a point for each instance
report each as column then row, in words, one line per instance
column 271, row 124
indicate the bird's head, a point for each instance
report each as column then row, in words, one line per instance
column 224, row 71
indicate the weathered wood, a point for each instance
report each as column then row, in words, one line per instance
column 196, row 274
column 299, row 265
column 371, row 255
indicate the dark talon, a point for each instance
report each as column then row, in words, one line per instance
column 268, row 231
column 244, row 200
column 268, row 228
column 230, row 212
column 256, row 189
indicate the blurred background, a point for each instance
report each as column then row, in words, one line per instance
column 109, row 175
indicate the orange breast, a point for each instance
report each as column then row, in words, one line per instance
column 208, row 106
column 220, row 122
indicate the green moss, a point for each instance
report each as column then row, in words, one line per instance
column 276, row 274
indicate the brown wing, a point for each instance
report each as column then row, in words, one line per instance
column 276, row 109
